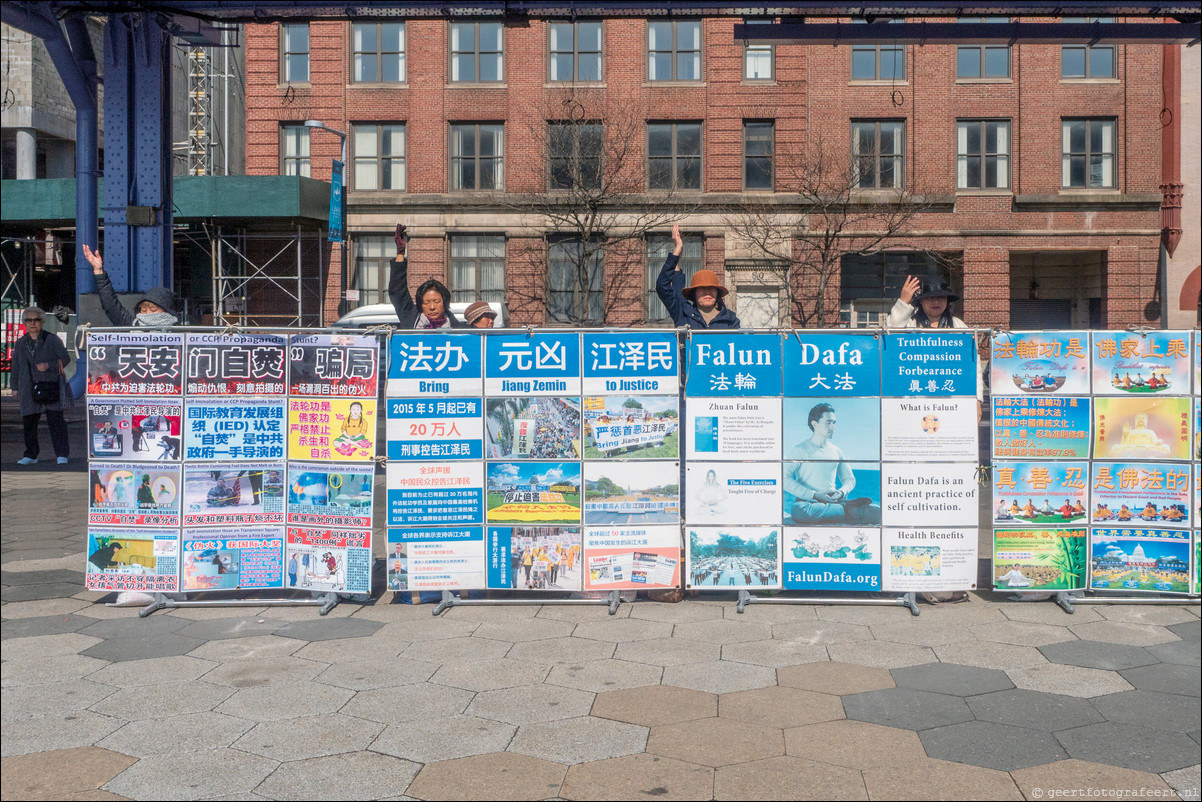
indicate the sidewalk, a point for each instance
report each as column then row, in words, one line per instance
column 985, row 700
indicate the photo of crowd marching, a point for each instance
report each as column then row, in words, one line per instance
column 732, row 559
column 544, row 558
column 631, row 493
column 630, row 427
column 534, row 428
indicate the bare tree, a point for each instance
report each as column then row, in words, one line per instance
column 826, row 206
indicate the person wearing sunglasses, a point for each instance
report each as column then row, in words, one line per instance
column 38, row 381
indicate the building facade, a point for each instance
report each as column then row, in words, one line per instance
column 1028, row 176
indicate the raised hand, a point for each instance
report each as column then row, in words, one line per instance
column 677, row 241
column 399, row 237
column 910, row 289
column 94, row 259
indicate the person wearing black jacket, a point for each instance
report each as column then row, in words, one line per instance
column 155, row 308
column 40, row 358
column 698, row 305
column 433, row 295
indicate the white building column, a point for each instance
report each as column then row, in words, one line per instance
column 27, row 154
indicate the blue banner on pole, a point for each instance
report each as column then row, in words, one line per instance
column 337, row 226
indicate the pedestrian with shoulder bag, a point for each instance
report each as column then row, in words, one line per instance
column 39, row 382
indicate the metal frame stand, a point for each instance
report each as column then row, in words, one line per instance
column 450, row 600
column 1067, row 599
column 326, row 601
column 908, row 600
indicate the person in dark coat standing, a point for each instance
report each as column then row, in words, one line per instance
column 155, row 308
column 433, row 296
column 698, row 305
column 41, row 357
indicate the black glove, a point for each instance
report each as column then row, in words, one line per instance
column 399, row 237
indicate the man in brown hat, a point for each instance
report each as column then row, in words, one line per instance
column 480, row 315
column 698, row 305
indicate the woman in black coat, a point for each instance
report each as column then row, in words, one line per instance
column 433, row 296
column 41, row 357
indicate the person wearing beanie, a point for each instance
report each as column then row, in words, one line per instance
column 155, row 308
column 480, row 315
column 698, row 305
column 432, row 295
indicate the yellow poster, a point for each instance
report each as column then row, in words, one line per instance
column 1141, row 428
column 334, row 429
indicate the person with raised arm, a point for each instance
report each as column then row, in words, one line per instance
column 433, row 296
column 698, row 305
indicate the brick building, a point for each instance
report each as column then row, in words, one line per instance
column 1034, row 170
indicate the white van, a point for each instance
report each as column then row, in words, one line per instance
column 385, row 315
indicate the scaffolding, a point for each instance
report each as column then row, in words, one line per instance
column 200, row 111
column 259, row 276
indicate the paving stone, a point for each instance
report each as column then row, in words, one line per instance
column 155, row 671
column 723, row 631
column 821, row 633
column 192, row 775
column 1122, row 632
column 41, row 577
column 484, row 613
column 308, row 612
column 1187, row 630
column 583, row 613
column 43, row 625
column 456, row 650
column 59, row 668
column 639, row 777
column 836, row 678
column 1182, row 652
column 192, row 732
column 60, row 731
column 605, row 675
column 720, row 677
column 934, row 633
column 48, row 590
column 780, row 706
column 161, row 701
column 939, row 779
column 61, row 773
column 364, row 675
column 680, row 613
column 519, row 630
column 309, row 736
column 130, row 625
column 863, row 615
column 952, row 679
column 1094, row 654
column 224, row 628
column 212, row 613
column 854, row 744
column 668, row 651
column 490, row 674
column 1022, row 633
column 562, row 651
column 408, row 703
column 881, row 654
column 987, row 654
column 579, row 740
column 787, row 778
column 264, row 671
column 906, row 708
column 444, row 738
column 378, row 647
column 258, row 647
column 1048, row 612
column 991, row 745
column 1160, row 711
column 1130, row 746
column 58, row 698
column 654, row 705
column 1158, row 614
column 1166, row 678
column 285, row 700
column 1186, row 782
column 428, row 628
column 623, row 629
column 328, row 629
column 46, row 646
column 774, row 653
column 352, row 775
column 530, row 703
column 1037, row 781
column 716, row 741
column 497, row 775
column 141, row 647
column 1041, row 711
column 1069, row 680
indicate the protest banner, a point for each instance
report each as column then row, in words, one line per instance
column 236, row 364
column 733, row 493
column 941, row 495
column 333, row 365
column 232, row 558
column 832, row 365
column 332, row 429
column 1040, row 363
column 135, row 363
column 534, row 364
column 1142, row 427
column 1140, row 363
column 824, row 558
column 1039, row 559
column 534, row 492
column 233, row 493
column 1141, row 494
column 134, row 494
column 734, row 429
column 1040, row 493
column 631, row 427
column 433, row 364
column 136, row 559
column 922, row 559
column 534, row 558
column 632, row 557
column 330, row 559
column 422, row 494
column 140, row 429
column 320, row 494
column 1139, row 560
column 635, row 363
column 443, row 558
column 234, row 428
column 931, row 430
column 420, row 429
column 1041, row 428
column 636, row 493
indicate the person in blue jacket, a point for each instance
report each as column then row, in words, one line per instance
column 698, row 305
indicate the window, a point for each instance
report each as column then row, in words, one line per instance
column 379, row 51
column 294, row 53
column 378, row 153
column 674, row 51
column 878, row 62
column 373, row 260
column 1087, row 154
column 658, row 248
column 476, row 52
column 758, row 58
column 870, row 283
column 576, row 51
column 477, row 268
column 674, row 155
column 294, row 150
column 982, row 154
column 477, row 152
column 575, row 294
column 757, row 155
column 983, row 61
column 878, row 149
column 1087, row 61
column 574, row 155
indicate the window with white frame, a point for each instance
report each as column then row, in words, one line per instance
column 982, row 154
column 1084, row 60
column 575, row 285
column 477, row 156
column 575, row 51
column 758, row 59
column 294, row 52
column 294, row 150
column 378, row 156
column 658, row 248
column 378, row 52
column 674, row 50
column 373, row 260
column 477, row 267
column 476, row 52
column 878, row 153
column 1087, row 158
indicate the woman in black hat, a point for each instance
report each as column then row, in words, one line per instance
column 924, row 306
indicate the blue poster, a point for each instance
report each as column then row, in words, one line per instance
column 1041, row 428
column 435, row 559
column 538, row 363
column 925, row 362
column 421, row 429
column 817, row 558
column 336, row 223
column 734, row 364
column 832, row 364
column 434, row 364
column 234, row 428
column 631, row 362
column 1040, row 494
column 1040, row 363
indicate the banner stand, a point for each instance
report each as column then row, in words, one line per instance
column 905, row 600
column 1067, row 599
column 451, row 600
column 327, row 601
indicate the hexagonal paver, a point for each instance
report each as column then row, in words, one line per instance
column 693, row 610
column 780, row 707
column 723, row 631
column 1185, row 781
column 716, row 741
column 585, row 613
column 444, row 738
column 43, row 625
column 1037, row 780
column 1022, row 633
column 312, row 736
column 774, row 653
column 906, row 708
column 265, row 671
column 1130, row 747
column 224, row 628
column 1041, row 711
column 836, row 678
column 191, row 775
column 62, row 773
column 562, row 651
column 59, row 698
column 357, row 775
column 787, row 778
column 1123, row 632
column 328, row 629
column 277, row 701
column 160, row 701
column 720, row 677
column 39, row 670
column 195, row 732
column 497, row 775
column 654, row 705
column 991, row 745
column 579, row 740
column 881, row 654
column 408, row 703
column 141, row 647
column 48, row 590
column 429, row 628
column 1182, row 652
column 1095, row 654
column 531, row 703
column 1187, row 630
column 1045, row 611
column 605, row 675
column 921, row 632
column 256, row 647
column 47, row 733
column 131, row 626
column 522, row 630
column 1156, row 614
column 1160, row 711
column 365, row 675
column 1166, row 678
column 987, row 654
column 622, row 629
column 383, row 645
column 43, row 607
column 952, row 679
column 155, row 671
column 456, row 650
column 490, row 674
column 1069, row 680
column 820, row 633
column 668, row 651
column 854, row 744
column 644, row 775
column 43, row 646
column 939, row 779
